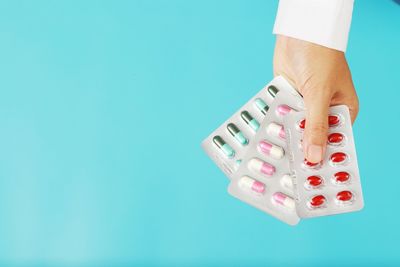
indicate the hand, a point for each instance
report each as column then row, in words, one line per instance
column 323, row 77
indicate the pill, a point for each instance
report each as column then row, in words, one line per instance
column 284, row 200
column 302, row 124
column 272, row 90
column 248, row 183
column 253, row 123
column 258, row 165
column 276, row 130
column 344, row 196
column 335, row 138
column 342, row 177
column 237, row 164
column 269, row 149
column 235, row 132
column 283, row 110
column 225, row 148
column 310, row 164
column 261, row 105
column 313, row 181
column 317, row 201
column 333, row 120
column 287, row 181
column 338, row 158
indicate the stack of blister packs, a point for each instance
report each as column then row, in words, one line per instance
column 259, row 149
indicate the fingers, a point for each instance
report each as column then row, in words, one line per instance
column 353, row 108
column 316, row 129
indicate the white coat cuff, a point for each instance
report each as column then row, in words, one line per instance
column 324, row 22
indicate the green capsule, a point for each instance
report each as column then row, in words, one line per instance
column 235, row 132
column 261, row 105
column 227, row 149
column 253, row 123
column 272, row 90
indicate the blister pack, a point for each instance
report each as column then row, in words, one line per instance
column 333, row 185
column 227, row 145
column 263, row 180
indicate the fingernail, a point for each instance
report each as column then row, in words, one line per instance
column 314, row 153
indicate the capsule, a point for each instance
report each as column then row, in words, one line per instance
column 237, row 164
column 335, row 139
column 302, row 124
column 261, row 105
column 225, row 148
column 283, row 110
column 235, row 132
column 313, row 182
column 287, row 181
column 317, row 201
column 341, row 177
column 272, row 90
column 276, row 130
column 344, row 196
column 260, row 166
column 248, row 183
column 310, row 164
column 338, row 158
column 284, row 200
column 253, row 123
column 333, row 120
column 269, row 149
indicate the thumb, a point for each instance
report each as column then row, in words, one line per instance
column 316, row 129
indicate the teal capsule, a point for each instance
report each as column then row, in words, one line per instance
column 227, row 149
column 238, row 162
column 235, row 132
column 272, row 90
column 253, row 123
column 261, row 105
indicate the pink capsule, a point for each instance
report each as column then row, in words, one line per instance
column 269, row 149
column 284, row 200
column 283, row 110
column 249, row 183
column 258, row 165
column 276, row 130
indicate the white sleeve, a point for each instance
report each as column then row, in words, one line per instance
column 324, row 22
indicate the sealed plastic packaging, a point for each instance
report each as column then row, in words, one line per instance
column 333, row 185
column 227, row 145
column 263, row 180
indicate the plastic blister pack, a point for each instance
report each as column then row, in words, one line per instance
column 263, row 180
column 333, row 185
column 227, row 145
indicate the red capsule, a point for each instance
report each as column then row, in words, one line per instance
column 317, row 201
column 314, row 181
column 335, row 138
column 310, row 164
column 344, row 196
column 302, row 124
column 333, row 120
column 338, row 157
column 342, row 177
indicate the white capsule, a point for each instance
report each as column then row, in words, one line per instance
column 258, row 165
column 276, row 130
column 287, row 181
column 269, row 149
column 284, row 200
column 248, row 184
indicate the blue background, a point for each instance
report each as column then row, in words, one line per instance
column 104, row 104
